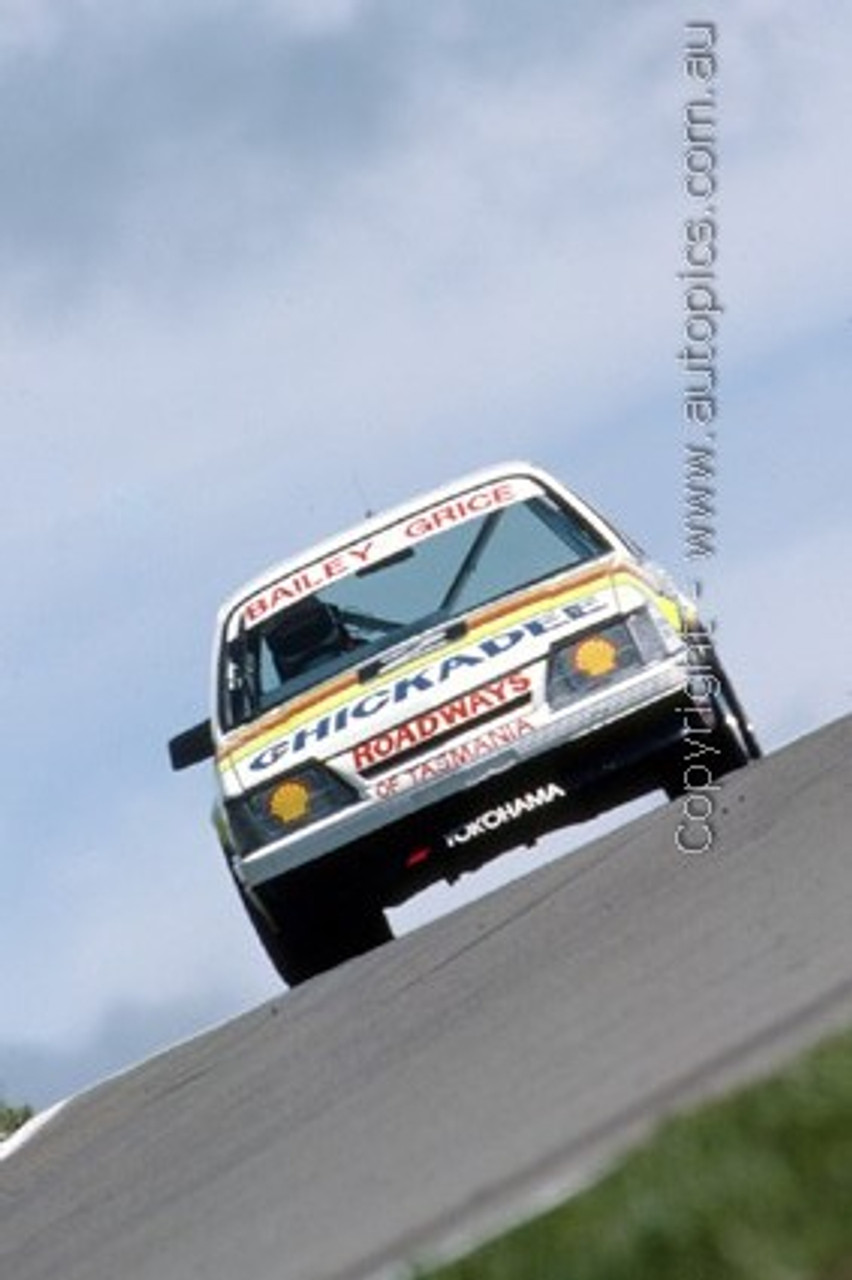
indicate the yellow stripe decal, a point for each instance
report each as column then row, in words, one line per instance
column 328, row 697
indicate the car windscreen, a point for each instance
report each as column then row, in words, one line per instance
column 423, row 588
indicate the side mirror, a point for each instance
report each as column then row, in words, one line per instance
column 192, row 746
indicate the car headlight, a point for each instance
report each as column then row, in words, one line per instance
column 290, row 803
column 603, row 655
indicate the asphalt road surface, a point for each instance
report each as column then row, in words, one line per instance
column 413, row 1099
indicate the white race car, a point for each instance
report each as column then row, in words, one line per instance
column 440, row 684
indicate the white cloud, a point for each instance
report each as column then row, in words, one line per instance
column 27, row 26
column 317, row 18
column 787, row 627
column 784, row 200
column 134, row 906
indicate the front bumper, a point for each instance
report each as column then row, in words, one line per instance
column 626, row 703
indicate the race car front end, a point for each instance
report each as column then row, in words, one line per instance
column 440, row 684
column 536, row 713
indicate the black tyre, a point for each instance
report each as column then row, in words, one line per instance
column 731, row 744
column 305, row 934
column 732, row 709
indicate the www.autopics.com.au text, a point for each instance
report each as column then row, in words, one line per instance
column 698, row 360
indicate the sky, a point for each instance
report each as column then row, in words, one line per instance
column 268, row 264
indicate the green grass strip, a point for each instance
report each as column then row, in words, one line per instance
column 756, row 1186
column 11, row 1118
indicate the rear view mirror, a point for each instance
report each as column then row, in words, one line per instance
column 192, row 746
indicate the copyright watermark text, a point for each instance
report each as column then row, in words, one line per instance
column 698, row 359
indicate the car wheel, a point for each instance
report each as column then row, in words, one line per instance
column 304, row 935
column 731, row 707
column 732, row 740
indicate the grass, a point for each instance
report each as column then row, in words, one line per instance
column 11, row 1118
column 757, row 1186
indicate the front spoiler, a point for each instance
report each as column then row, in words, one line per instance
column 568, row 735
